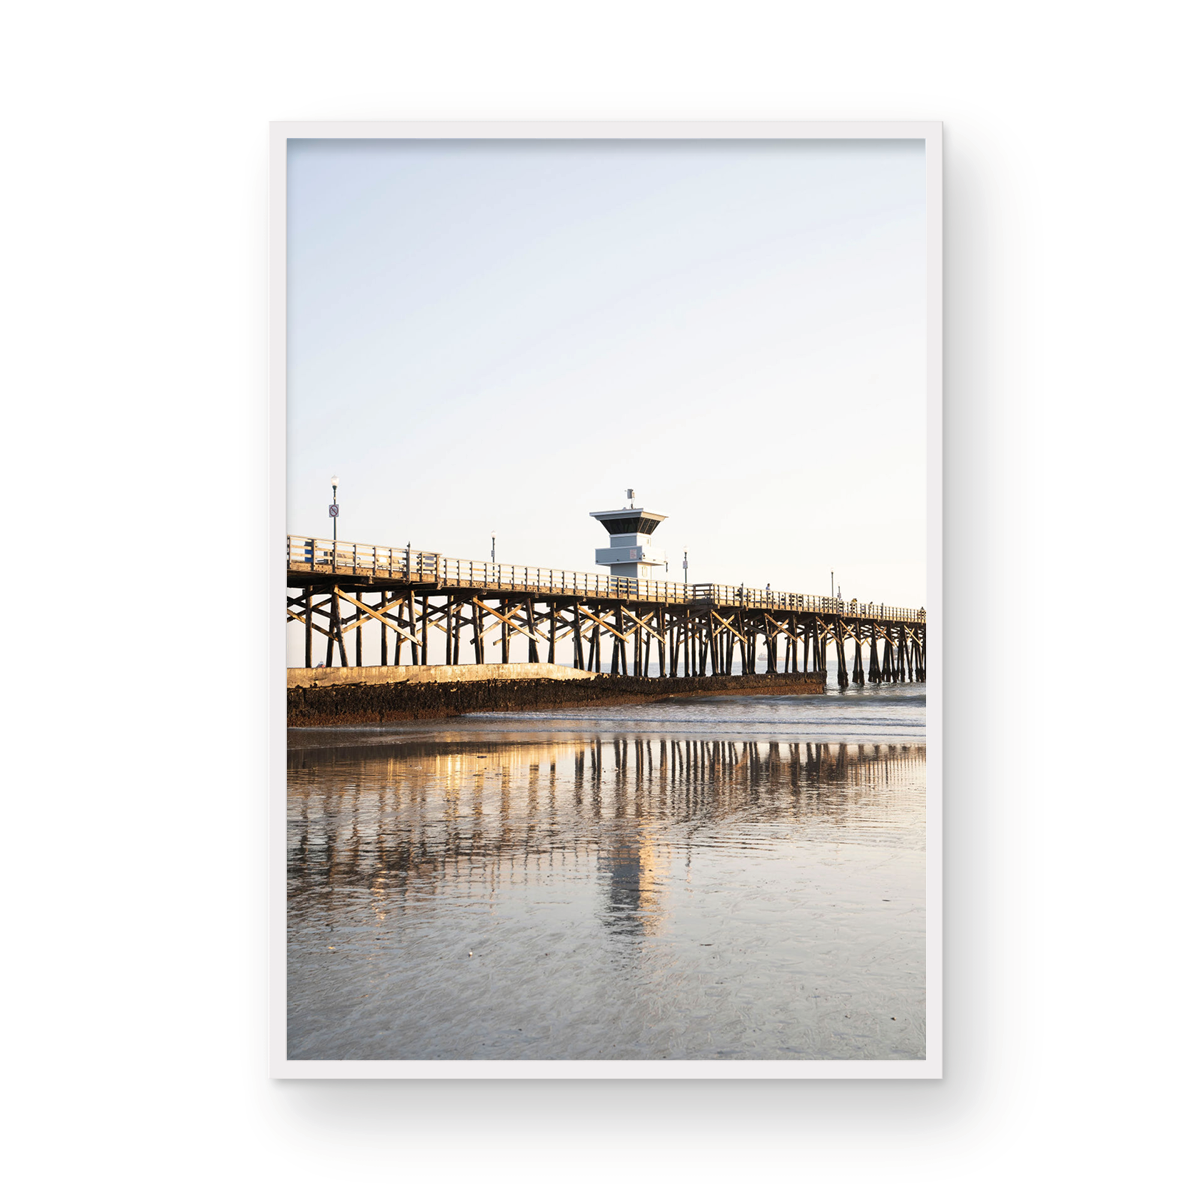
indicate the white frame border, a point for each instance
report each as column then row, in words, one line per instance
column 280, row 1066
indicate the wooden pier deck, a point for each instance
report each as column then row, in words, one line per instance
column 692, row 629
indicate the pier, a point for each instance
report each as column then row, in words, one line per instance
column 345, row 592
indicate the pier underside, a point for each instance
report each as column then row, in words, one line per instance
column 358, row 620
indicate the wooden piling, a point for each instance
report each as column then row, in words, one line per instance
column 383, row 631
column 358, row 632
column 308, row 626
column 533, row 650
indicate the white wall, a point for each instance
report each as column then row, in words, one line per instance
column 134, row 284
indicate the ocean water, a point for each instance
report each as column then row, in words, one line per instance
column 721, row 878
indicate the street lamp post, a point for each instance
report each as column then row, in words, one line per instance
column 493, row 547
column 685, row 566
column 333, row 508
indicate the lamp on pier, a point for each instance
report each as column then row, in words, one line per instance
column 333, row 508
column 493, row 547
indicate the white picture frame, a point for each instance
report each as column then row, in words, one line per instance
column 280, row 1066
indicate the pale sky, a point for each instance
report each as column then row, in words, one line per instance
column 506, row 335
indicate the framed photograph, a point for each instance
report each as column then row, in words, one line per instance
column 605, row 585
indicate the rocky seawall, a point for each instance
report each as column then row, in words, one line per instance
column 417, row 700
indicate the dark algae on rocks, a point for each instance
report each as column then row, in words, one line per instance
column 387, row 703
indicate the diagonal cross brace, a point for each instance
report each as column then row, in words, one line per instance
column 376, row 614
column 521, row 629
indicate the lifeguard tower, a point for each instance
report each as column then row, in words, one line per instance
column 628, row 553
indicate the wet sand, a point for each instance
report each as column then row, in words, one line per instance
column 565, row 886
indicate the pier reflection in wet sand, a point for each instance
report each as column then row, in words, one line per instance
column 610, row 897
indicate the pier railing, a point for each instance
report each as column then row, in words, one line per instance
column 321, row 556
